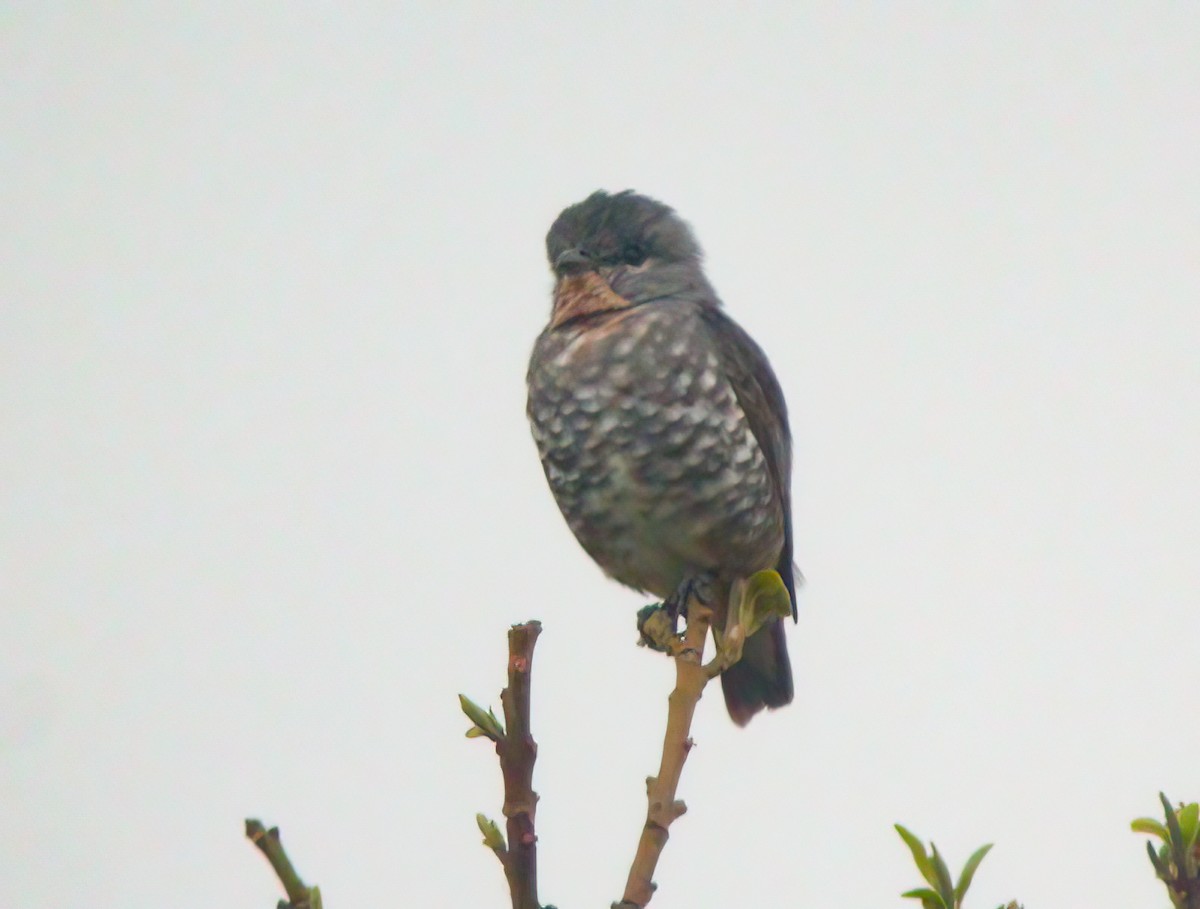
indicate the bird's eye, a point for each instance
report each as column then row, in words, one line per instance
column 635, row 255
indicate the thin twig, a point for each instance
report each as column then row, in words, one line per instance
column 691, row 675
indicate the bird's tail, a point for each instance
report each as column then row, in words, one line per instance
column 762, row 677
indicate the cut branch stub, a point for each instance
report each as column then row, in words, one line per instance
column 517, row 752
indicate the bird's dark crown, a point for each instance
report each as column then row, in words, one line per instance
column 620, row 229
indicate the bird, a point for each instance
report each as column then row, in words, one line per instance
column 661, row 427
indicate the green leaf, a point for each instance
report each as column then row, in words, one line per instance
column 944, row 885
column 492, row 837
column 763, row 598
column 1178, row 854
column 1151, row 826
column 1189, row 824
column 485, row 723
column 929, row 898
column 314, row 897
column 920, row 859
column 1160, row 864
column 968, row 872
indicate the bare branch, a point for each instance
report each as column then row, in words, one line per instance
column 517, row 752
column 691, row 675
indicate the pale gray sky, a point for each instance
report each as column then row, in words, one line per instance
column 270, row 278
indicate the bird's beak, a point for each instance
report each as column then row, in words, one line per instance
column 572, row 262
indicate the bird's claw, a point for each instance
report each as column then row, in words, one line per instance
column 658, row 624
column 700, row 587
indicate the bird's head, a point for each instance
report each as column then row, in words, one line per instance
column 621, row 250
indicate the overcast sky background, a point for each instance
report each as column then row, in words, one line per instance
column 270, row 277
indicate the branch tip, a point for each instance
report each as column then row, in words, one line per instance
column 270, row 845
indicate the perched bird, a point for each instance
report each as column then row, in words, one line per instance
column 661, row 428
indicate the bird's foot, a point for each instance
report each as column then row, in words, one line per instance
column 658, row 623
column 700, row 587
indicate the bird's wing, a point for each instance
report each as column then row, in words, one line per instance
column 761, row 399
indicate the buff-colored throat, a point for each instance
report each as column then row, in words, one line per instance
column 581, row 295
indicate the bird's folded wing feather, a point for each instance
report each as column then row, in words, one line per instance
column 761, row 399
